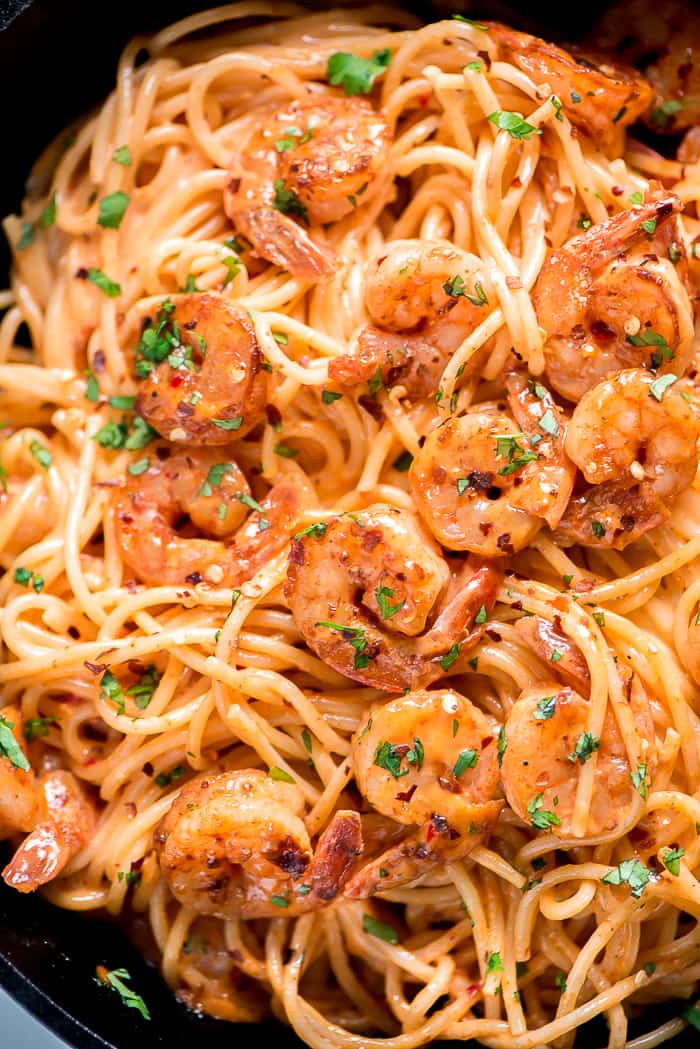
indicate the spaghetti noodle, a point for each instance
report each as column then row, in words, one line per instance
column 258, row 473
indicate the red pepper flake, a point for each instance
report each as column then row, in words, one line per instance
column 617, row 191
column 176, row 380
column 95, row 668
column 406, row 795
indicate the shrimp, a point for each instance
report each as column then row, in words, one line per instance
column 203, row 377
column 212, row 490
column 547, row 742
column 21, row 804
column 234, row 845
column 611, row 298
column 549, row 643
column 634, row 438
column 67, row 827
column 363, row 588
column 427, row 759
column 486, row 483
column 599, row 97
column 664, row 40
column 313, row 161
column 423, row 301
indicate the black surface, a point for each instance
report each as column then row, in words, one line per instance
column 57, row 58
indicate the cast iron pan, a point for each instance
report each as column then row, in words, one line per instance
column 57, row 58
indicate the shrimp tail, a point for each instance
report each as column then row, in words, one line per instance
column 284, row 242
column 415, row 363
column 52, row 844
column 545, row 640
column 435, row 842
column 337, row 850
column 626, row 229
column 458, row 617
column 611, row 515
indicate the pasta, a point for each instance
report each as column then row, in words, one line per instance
column 349, row 437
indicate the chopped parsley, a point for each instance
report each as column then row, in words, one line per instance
column 139, row 467
column 115, row 979
column 111, row 689
column 514, row 124
column 672, row 860
column 598, row 529
column 502, row 744
column 541, row 819
column 545, row 708
column 104, row 283
column 122, row 156
column 636, row 198
column 658, row 388
column 142, row 691
column 691, row 1015
column 229, row 424
column 661, row 115
column 48, row 215
column 37, row 728
column 629, row 872
column 279, row 901
column 26, row 237
column 467, row 760
column 316, row 530
column 286, row 200
column 214, row 478
column 92, row 387
column 23, row 576
column 649, row 337
column 111, row 210
column 355, row 74
column 585, row 745
column 389, row 756
column 448, row 659
column 355, row 636
column 557, row 106
column 328, row 396
column 471, row 22
column 649, row 227
column 639, row 778
column 376, row 382
column 548, row 423
column 274, row 772
column 164, row 779
column 10, row 748
column 379, row 929
column 584, row 222
column 494, row 963
column 40, row 453
column 507, row 447
column 387, row 610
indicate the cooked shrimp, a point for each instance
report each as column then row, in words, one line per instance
column 204, row 382
column 364, row 588
column 235, row 845
column 424, row 300
column 211, row 489
column 634, row 438
column 427, row 759
column 21, row 803
column 560, row 655
column 547, row 742
column 313, row 161
column 611, row 298
column 599, row 96
column 486, row 483
column 66, row 829
column 664, row 40
column 213, row 983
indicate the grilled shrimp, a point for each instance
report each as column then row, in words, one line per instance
column 375, row 599
column 202, row 365
column 634, row 438
column 611, row 298
column 67, row 826
column 21, row 803
column 664, row 40
column 313, row 161
column 599, row 96
column 486, row 482
column 211, row 489
column 423, row 300
column 547, row 742
column 234, row 845
column 426, row 760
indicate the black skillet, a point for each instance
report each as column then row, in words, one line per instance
column 57, row 58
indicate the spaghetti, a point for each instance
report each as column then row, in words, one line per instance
column 282, row 263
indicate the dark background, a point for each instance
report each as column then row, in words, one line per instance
column 57, row 58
